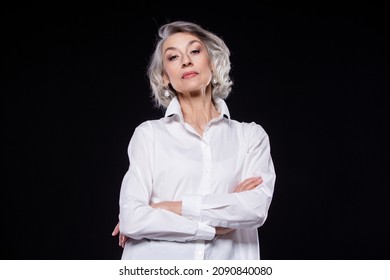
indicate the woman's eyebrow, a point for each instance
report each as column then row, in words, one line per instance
column 188, row 44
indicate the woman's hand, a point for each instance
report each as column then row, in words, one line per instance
column 246, row 185
column 173, row 206
column 222, row 230
column 122, row 238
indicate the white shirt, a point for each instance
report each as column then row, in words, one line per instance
column 169, row 161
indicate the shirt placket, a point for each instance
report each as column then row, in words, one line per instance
column 206, row 183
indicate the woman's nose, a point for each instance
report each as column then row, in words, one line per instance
column 186, row 61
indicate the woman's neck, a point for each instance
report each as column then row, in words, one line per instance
column 198, row 110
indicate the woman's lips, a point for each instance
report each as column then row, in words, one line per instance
column 188, row 75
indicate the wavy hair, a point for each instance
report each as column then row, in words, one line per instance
column 219, row 56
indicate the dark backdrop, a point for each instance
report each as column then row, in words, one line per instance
column 74, row 88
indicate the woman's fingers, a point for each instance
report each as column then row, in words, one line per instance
column 222, row 230
column 248, row 184
column 116, row 230
column 122, row 238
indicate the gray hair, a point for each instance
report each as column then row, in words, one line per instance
column 216, row 48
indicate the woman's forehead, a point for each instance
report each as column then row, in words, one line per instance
column 180, row 39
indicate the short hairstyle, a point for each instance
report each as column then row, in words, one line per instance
column 218, row 52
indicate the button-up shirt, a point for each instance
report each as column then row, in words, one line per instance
column 170, row 161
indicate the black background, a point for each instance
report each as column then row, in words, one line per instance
column 74, row 88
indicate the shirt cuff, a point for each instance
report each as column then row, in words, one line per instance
column 205, row 232
column 191, row 206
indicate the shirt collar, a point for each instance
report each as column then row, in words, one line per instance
column 175, row 109
column 222, row 107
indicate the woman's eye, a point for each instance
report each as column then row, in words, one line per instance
column 195, row 51
column 172, row 57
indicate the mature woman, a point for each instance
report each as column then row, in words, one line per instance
column 199, row 184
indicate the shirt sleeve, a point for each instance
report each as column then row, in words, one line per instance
column 248, row 209
column 137, row 219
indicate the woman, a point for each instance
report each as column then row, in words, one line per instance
column 199, row 184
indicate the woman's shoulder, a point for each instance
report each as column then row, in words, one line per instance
column 143, row 133
column 249, row 128
column 148, row 126
column 252, row 133
column 152, row 123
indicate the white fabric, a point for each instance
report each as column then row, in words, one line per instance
column 169, row 161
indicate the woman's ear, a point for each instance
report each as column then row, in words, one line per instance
column 165, row 79
column 212, row 66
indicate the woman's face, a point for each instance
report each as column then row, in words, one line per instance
column 186, row 63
